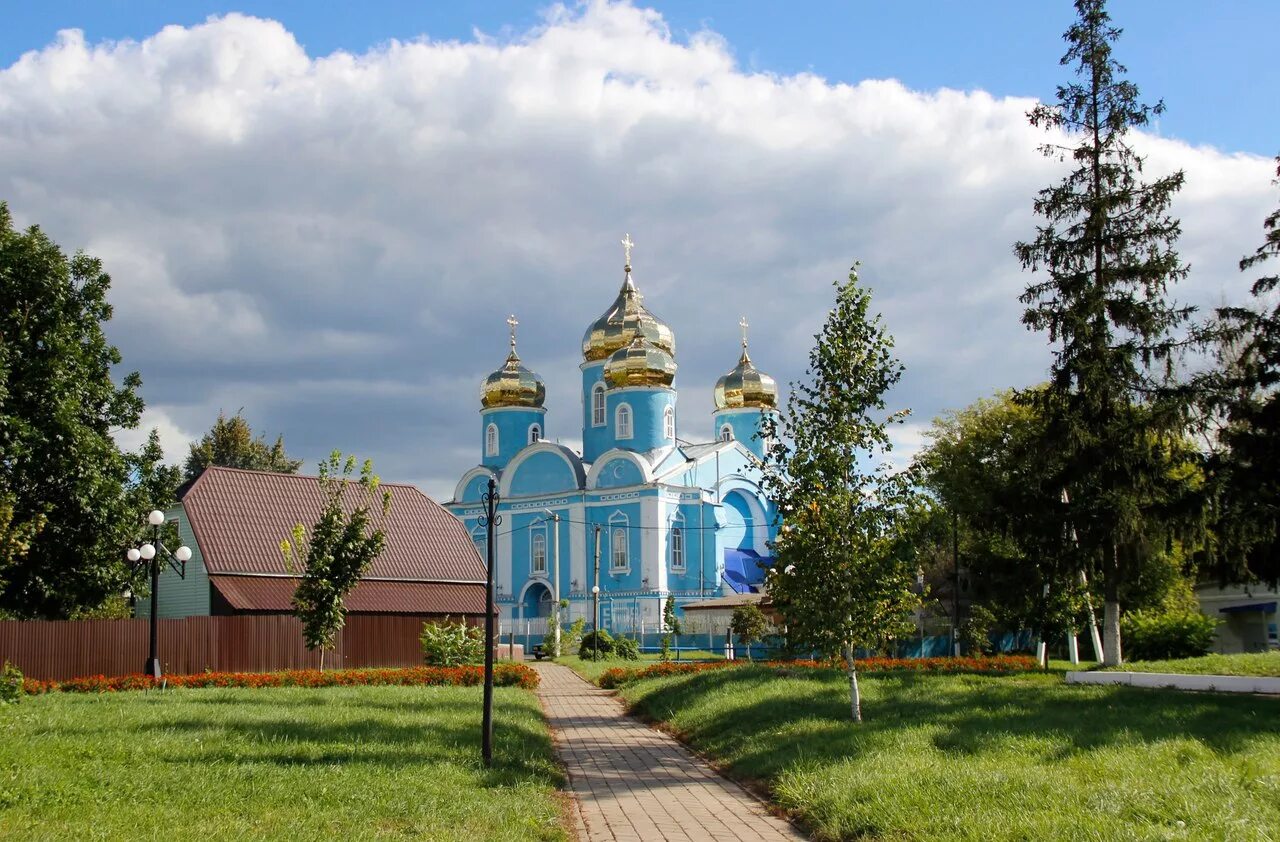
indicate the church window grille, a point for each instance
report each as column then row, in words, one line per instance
column 535, row 434
column 726, row 433
column 538, row 553
column 624, row 421
column 491, row 440
column 597, row 405
column 677, row 548
column 669, row 424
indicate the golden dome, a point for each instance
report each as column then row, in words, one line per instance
column 746, row 385
column 513, row 384
column 640, row 364
column 626, row 320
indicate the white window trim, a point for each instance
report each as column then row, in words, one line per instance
column 624, row 410
column 669, row 423
column 491, row 442
column 678, row 532
column 726, row 432
column 480, row 537
column 599, row 414
column 534, row 535
column 535, row 433
column 620, row 522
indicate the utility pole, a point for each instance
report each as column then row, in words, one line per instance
column 955, row 595
column 555, row 578
column 595, row 601
column 490, row 520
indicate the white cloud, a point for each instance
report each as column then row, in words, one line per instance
column 333, row 242
column 173, row 439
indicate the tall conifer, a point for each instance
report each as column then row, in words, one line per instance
column 1106, row 251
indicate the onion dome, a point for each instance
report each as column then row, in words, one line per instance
column 624, row 321
column 513, row 384
column 640, row 364
column 746, row 385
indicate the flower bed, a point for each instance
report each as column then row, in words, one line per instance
column 504, row 675
column 996, row 665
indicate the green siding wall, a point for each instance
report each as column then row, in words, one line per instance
column 182, row 597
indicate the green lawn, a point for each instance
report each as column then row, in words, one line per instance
column 291, row 763
column 1260, row 664
column 986, row 758
column 591, row 670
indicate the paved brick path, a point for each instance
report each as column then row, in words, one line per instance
column 636, row 784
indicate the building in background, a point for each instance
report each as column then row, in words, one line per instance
column 654, row 513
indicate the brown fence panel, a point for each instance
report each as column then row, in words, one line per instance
column 250, row 643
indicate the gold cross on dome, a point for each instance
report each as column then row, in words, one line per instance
column 627, row 246
column 742, row 323
column 511, row 322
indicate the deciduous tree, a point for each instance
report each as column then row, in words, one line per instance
column 843, row 577
column 231, row 444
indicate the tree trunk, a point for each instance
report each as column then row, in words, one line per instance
column 1111, row 655
column 855, row 698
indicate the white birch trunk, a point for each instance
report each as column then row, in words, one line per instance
column 1111, row 654
column 855, row 698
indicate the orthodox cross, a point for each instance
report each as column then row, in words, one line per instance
column 626, row 247
column 511, row 322
column 743, row 324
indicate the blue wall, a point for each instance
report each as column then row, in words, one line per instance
column 540, row 473
column 513, row 432
column 745, row 424
column 595, row 440
column 648, row 405
column 618, row 472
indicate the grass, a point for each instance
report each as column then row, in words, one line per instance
column 1259, row 664
column 290, row 763
column 986, row 758
column 591, row 670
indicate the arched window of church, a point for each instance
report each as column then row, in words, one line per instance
column 619, row 554
column 491, row 440
column 677, row 547
column 624, row 421
column 669, row 423
column 726, row 433
column 535, row 434
column 538, row 553
column 597, row 405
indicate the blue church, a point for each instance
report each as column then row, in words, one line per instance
column 642, row 512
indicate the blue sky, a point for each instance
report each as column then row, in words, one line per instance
column 332, row 242
column 1212, row 62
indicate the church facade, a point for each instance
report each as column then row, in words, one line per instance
column 642, row 512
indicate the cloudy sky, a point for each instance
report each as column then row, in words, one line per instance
column 326, row 221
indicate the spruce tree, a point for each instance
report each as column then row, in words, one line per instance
column 1106, row 251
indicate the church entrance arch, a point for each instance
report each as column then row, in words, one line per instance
column 746, row 528
column 536, row 601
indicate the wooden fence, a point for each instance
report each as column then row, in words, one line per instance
column 61, row 649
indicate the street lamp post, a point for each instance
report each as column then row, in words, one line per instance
column 555, row 578
column 488, row 520
column 595, row 601
column 150, row 554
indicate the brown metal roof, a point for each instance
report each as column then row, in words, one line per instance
column 240, row 518
column 732, row 600
column 275, row 593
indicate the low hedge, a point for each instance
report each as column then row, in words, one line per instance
column 993, row 665
column 504, row 675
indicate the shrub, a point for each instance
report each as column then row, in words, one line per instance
column 504, row 675
column 451, row 644
column 626, row 649
column 596, row 642
column 10, row 684
column 749, row 624
column 1154, row 636
column 975, row 631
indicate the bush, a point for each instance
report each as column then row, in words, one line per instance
column 451, row 644
column 10, row 684
column 1155, row 636
column 596, row 642
column 975, row 631
column 626, row 649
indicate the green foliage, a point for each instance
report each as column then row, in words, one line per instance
column 1264, row 664
column 626, row 649
column 1246, row 394
column 1106, row 247
column 231, row 444
column 671, row 624
column 451, row 644
column 1152, row 635
column 10, row 684
column 61, row 473
column 572, row 637
column 749, row 625
column 843, row 576
column 596, row 644
column 338, row 549
column 975, row 631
